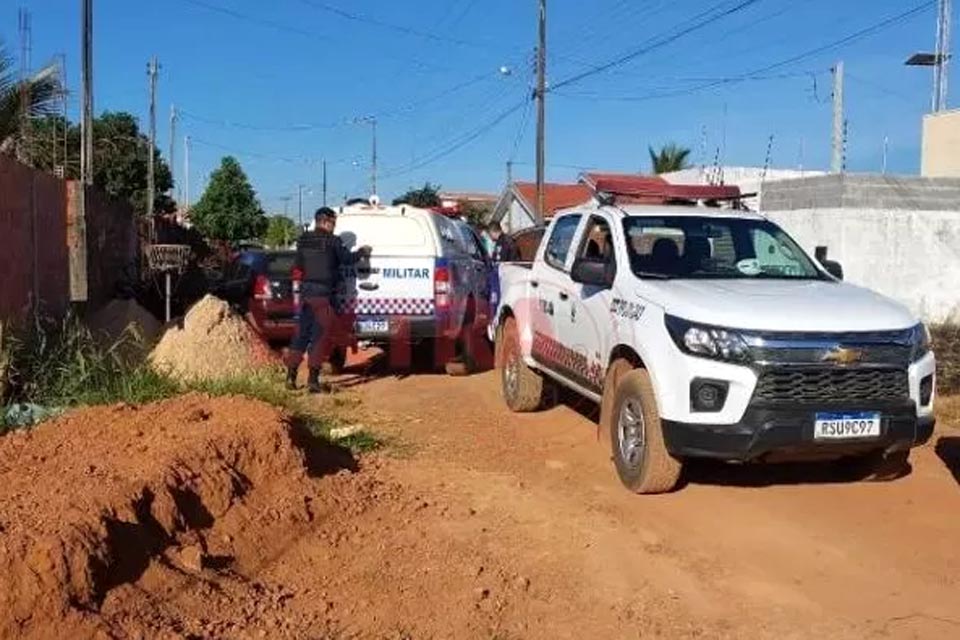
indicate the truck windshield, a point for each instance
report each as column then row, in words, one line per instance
column 695, row 247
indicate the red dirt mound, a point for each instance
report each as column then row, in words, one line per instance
column 95, row 500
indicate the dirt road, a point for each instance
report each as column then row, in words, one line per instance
column 740, row 551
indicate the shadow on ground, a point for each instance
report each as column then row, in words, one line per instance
column 948, row 450
column 321, row 457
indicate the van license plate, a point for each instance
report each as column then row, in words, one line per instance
column 373, row 326
column 842, row 426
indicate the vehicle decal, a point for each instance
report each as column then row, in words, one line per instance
column 566, row 360
column 397, row 273
column 627, row 309
column 546, row 306
column 388, row 306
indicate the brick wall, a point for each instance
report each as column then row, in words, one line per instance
column 38, row 216
column 33, row 245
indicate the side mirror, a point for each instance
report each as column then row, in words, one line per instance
column 830, row 266
column 834, row 268
column 592, row 273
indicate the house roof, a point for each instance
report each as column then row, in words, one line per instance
column 555, row 196
column 468, row 196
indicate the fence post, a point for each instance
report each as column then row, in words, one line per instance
column 77, row 240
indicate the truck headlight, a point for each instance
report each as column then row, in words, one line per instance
column 920, row 340
column 706, row 341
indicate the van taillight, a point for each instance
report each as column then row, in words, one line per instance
column 261, row 288
column 441, row 287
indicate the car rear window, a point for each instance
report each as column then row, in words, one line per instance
column 384, row 231
column 280, row 265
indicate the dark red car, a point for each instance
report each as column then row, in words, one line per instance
column 269, row 301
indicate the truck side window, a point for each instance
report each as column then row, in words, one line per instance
column 560, row 240
column 597, row 245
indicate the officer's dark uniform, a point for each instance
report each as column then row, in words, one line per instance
column 320, row 258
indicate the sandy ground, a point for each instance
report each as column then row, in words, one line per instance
column 204, row 518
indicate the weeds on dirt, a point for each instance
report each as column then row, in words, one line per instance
column 59, row 366
column 946, row 344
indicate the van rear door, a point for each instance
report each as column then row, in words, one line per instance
column 398, row 278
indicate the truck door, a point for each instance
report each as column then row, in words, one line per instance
column 585, row 322
column 550, row 288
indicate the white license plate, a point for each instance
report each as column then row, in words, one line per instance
column 373, row 326
column 843, row 426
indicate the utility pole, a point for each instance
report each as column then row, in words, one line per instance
column 173, row 147
column 836, row 164
column 541, row 110
column 86, row 100
column 941, row 64
column 373, row 166
column 153, row 69
column 286, row 201
column 509, row 173
column 324, row 165
column 300, row 205
column 26, row 142
column 186, row 175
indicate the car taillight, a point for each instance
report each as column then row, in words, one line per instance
column 441, row 287
column 261, row 288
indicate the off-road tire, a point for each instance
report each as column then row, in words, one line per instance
column 619, row 368
column 654, row 470
column 877, row 466
column 527, row 391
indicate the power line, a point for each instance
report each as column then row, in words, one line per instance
column 524, row 120
column 700, row 21
column 455, row 145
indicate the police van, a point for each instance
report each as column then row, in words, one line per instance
column 425, row 289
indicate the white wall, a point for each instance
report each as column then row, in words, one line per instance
column 911, row 256
column 749, row 179
column 517, row 218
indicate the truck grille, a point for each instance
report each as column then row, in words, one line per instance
column 832, row 385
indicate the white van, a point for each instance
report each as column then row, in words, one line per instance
column 426, row 283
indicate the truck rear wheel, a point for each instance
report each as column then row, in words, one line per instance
column 523, row 388
column 636, row 436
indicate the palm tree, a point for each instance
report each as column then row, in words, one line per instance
column 43, row 93
column 670, row 158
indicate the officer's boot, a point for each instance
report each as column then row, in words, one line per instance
column 313, row 380
column 291, row 378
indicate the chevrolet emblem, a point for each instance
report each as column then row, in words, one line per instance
column 843, row 356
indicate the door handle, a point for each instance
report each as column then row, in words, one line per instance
column 369, row 286
column 534, row 284
column 564, row 296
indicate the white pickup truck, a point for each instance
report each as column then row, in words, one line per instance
column 707, row 332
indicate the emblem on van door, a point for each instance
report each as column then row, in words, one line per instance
column 843, row 356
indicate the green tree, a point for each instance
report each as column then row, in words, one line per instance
column 229, row 209
column 43, row 91
column 475, row 213
column 671, row 157
column 281, row 232
column 120, row 158
column 425, row 197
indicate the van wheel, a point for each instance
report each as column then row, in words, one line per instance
column 523, row 389
column 636, row 436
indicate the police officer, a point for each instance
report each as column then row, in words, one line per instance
column 321, row 256
column 504, row 247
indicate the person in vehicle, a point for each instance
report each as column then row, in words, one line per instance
column 321, row 257
column 504, row 248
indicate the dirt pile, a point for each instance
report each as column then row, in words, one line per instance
column 211, row 342
column 103, row 498
column 119, row 316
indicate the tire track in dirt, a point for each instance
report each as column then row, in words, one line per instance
column 753, row 550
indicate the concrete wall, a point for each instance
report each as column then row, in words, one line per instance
column 940, row 154
column 863, row 191
column 749, row 179
column 910, row 256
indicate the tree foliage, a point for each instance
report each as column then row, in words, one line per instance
column 229, row 209
column 281, row 232
column 43, row 92
column 425, row 197
column 671, row 157
column 120, row 158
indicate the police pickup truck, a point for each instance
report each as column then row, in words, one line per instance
column 708, row 332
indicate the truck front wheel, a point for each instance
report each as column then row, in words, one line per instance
column 636, row 437
column 523, row 389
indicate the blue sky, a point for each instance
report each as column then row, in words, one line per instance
column 279, row 84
